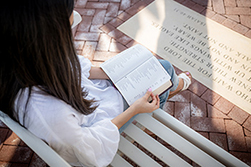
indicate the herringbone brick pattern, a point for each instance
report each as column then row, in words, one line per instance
column 97, row 38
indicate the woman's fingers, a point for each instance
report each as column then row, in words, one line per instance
column 155, row 101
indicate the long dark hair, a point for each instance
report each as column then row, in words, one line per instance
column 37, row 50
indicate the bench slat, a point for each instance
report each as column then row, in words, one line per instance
column 177, row 141
column 155, row 147
column 135, row 154
column 201, row 142
column 119, row 161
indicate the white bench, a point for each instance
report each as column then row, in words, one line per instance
column 178, row 135
column 184, row 139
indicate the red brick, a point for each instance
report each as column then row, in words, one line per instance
column 85, row 24
column 22, row 143
column 4, row 164
column 19, row 165
column 97, row 5
column 214, row 112
column 95, row 28
column 198, row 8
column 246, row 20
column 210, row 96
column 231, row 3
column 36, row 161
column 238, row 115
column 124, row 40
column 219, row 139
column 89, row 50
column 218, row 6
column 81, row 3
column 248, row 34
column 116, row 22
column 248, row 141
column 116, row 47
column 78, row 52
column 107, row 28
column 235, row 18
column 103, row 56
column 96, row 63
column 240, row 29
column 208, row 13
column 99, row 16
column 203, row 3
column 132, row 43
column 182, row 112
column 2, row 125
column 188, row 3
column 125, row 4
column 134, row 1
column 197, row 88
column 239, row 10
column 115, row 33
column 85, row 12
column 147, row 2
column 198, row 106
column 206, row 124
column 12, row 139
column 244, row 3
column 15, row 154
column 245, row 157
column 124, row 16
column 180, row 1
column 104, row 42
column 218, row 18
column 247, row 123
column 87, row 36
column 235, row 136
column 224, row 105
column 107, row 19
column 136, row 8
column 183, row 96
column 247, row 132
column 3, row 135
column 112, row 10
column 229, row 23
column 79, row 45
column 204, row 134
column 169, row 108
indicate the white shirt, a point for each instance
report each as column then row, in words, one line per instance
column 90, row 140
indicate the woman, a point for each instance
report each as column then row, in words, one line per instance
column 48, row 89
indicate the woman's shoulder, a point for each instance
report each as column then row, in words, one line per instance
column 38, row 103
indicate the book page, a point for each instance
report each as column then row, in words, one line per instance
column 148, row 75
column 125, row 62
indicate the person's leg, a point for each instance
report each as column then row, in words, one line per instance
column 174, row 78
column 178, row 82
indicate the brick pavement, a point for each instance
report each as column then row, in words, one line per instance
column 97, row 38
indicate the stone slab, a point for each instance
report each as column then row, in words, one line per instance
column 216, row 56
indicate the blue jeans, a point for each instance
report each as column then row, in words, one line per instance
column 163, row 97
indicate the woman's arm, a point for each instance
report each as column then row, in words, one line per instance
column 140, row 106
column 97, row 73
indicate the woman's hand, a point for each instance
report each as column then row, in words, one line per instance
column 140, row 106
column 143, row 106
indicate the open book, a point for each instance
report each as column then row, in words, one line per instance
column 134, row 71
